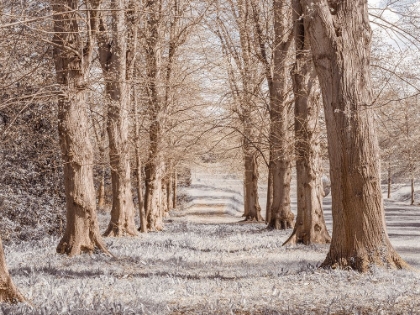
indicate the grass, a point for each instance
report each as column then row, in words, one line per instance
column 202, row 269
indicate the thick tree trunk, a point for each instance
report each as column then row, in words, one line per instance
column 340, row 38
column 310, row 224
column 113, row 57
column 251, row 204
column 82, row 231
column 8, row 292
column 280, row 135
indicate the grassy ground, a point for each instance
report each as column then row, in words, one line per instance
column 193, row 268
column 208, row 264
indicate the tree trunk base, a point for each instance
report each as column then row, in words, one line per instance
column 257, row 218
column 362, row 262
column 73, row 247
column 9, row 293
column 282, row 223
column 115, row 230
column 299, row 237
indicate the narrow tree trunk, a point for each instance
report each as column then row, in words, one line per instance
column 269, row 193
column 169, row 185
column 82, row 231
column 389, row 180
column 412, row 191
column 154, row 164
column 280, row 137
column 100, row 140
column 153, row 195
column 113, row 57
column 142, row 213
column 164, row 190
column 340, row 38
column 310, row 224
column 252, row 206
column 101, row 190
column 8, row 292
column 175, row 186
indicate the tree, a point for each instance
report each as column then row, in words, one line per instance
column 245, row 81
column 115, row 60
column 310, row 224
column 72, row 58
column 281, row 217
column 154, row 167
column 340, row 39
column 8, row 292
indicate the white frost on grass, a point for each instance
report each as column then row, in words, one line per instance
column 205, row 269
column 217, row 267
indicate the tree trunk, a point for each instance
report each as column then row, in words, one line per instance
column 280, row 138
column 164, row 190
column 175, row 186
column 153, row 195
column 169, row 185
column 412, row 191
column 154, row 164
column 252, row 206
column 101, row 190
column 142, row 213
column 269, row 193
column 389, row 180
column 8, row 292
column 82, row 231
column 340, row 38
column 310, row 224
column 113, row 57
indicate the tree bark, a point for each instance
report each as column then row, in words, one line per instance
column 113, row 58
column 82, row 231
column 280, row 138
column 169, row 185
column 310, row 224
column 252, row 206
column 142, row 213
column 153, row 195
column 8, row 292
column 389, row 180
column 412, row 191
column 101, row 190
column 340, row 38
column 175, row 186
column 269, row 192
column 154, row 164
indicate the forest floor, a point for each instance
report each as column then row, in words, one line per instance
column 207, row 262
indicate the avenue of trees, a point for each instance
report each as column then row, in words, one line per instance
column 132, row 92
